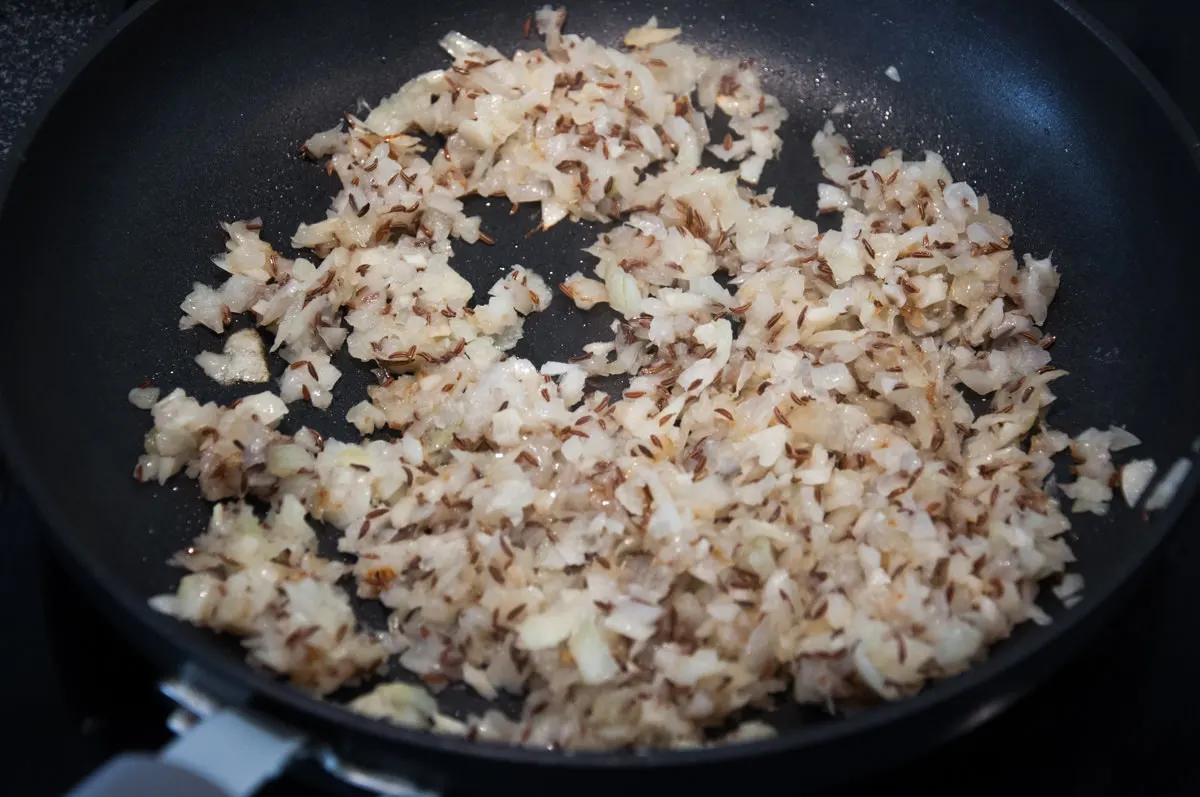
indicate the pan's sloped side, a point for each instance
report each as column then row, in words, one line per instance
column 193, row 115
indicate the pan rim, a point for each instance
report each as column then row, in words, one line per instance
column 273, row 693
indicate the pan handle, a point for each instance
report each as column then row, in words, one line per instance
column 223, row 755
column 196, row 704
column 143, row 775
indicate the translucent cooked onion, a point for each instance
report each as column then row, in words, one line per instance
column 792, row 494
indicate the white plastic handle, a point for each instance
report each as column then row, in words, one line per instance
column 223, row 755
column 144, row 775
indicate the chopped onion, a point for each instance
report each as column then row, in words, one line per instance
column 793, row 494
column 1136, row 476
column 1164, row 492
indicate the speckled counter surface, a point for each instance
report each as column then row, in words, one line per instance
column 38, row 38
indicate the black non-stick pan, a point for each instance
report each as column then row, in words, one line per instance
column 192, row 111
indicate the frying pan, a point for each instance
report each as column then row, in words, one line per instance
column 191, row 111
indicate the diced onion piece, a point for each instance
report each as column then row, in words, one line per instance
column 1168, row 485
column 1136, row 476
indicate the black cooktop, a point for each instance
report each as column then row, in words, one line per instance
column 1123, row 719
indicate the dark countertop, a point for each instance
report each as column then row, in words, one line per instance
column 37, row 40
column 1119, row 721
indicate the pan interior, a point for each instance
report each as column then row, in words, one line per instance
column 194, row 114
